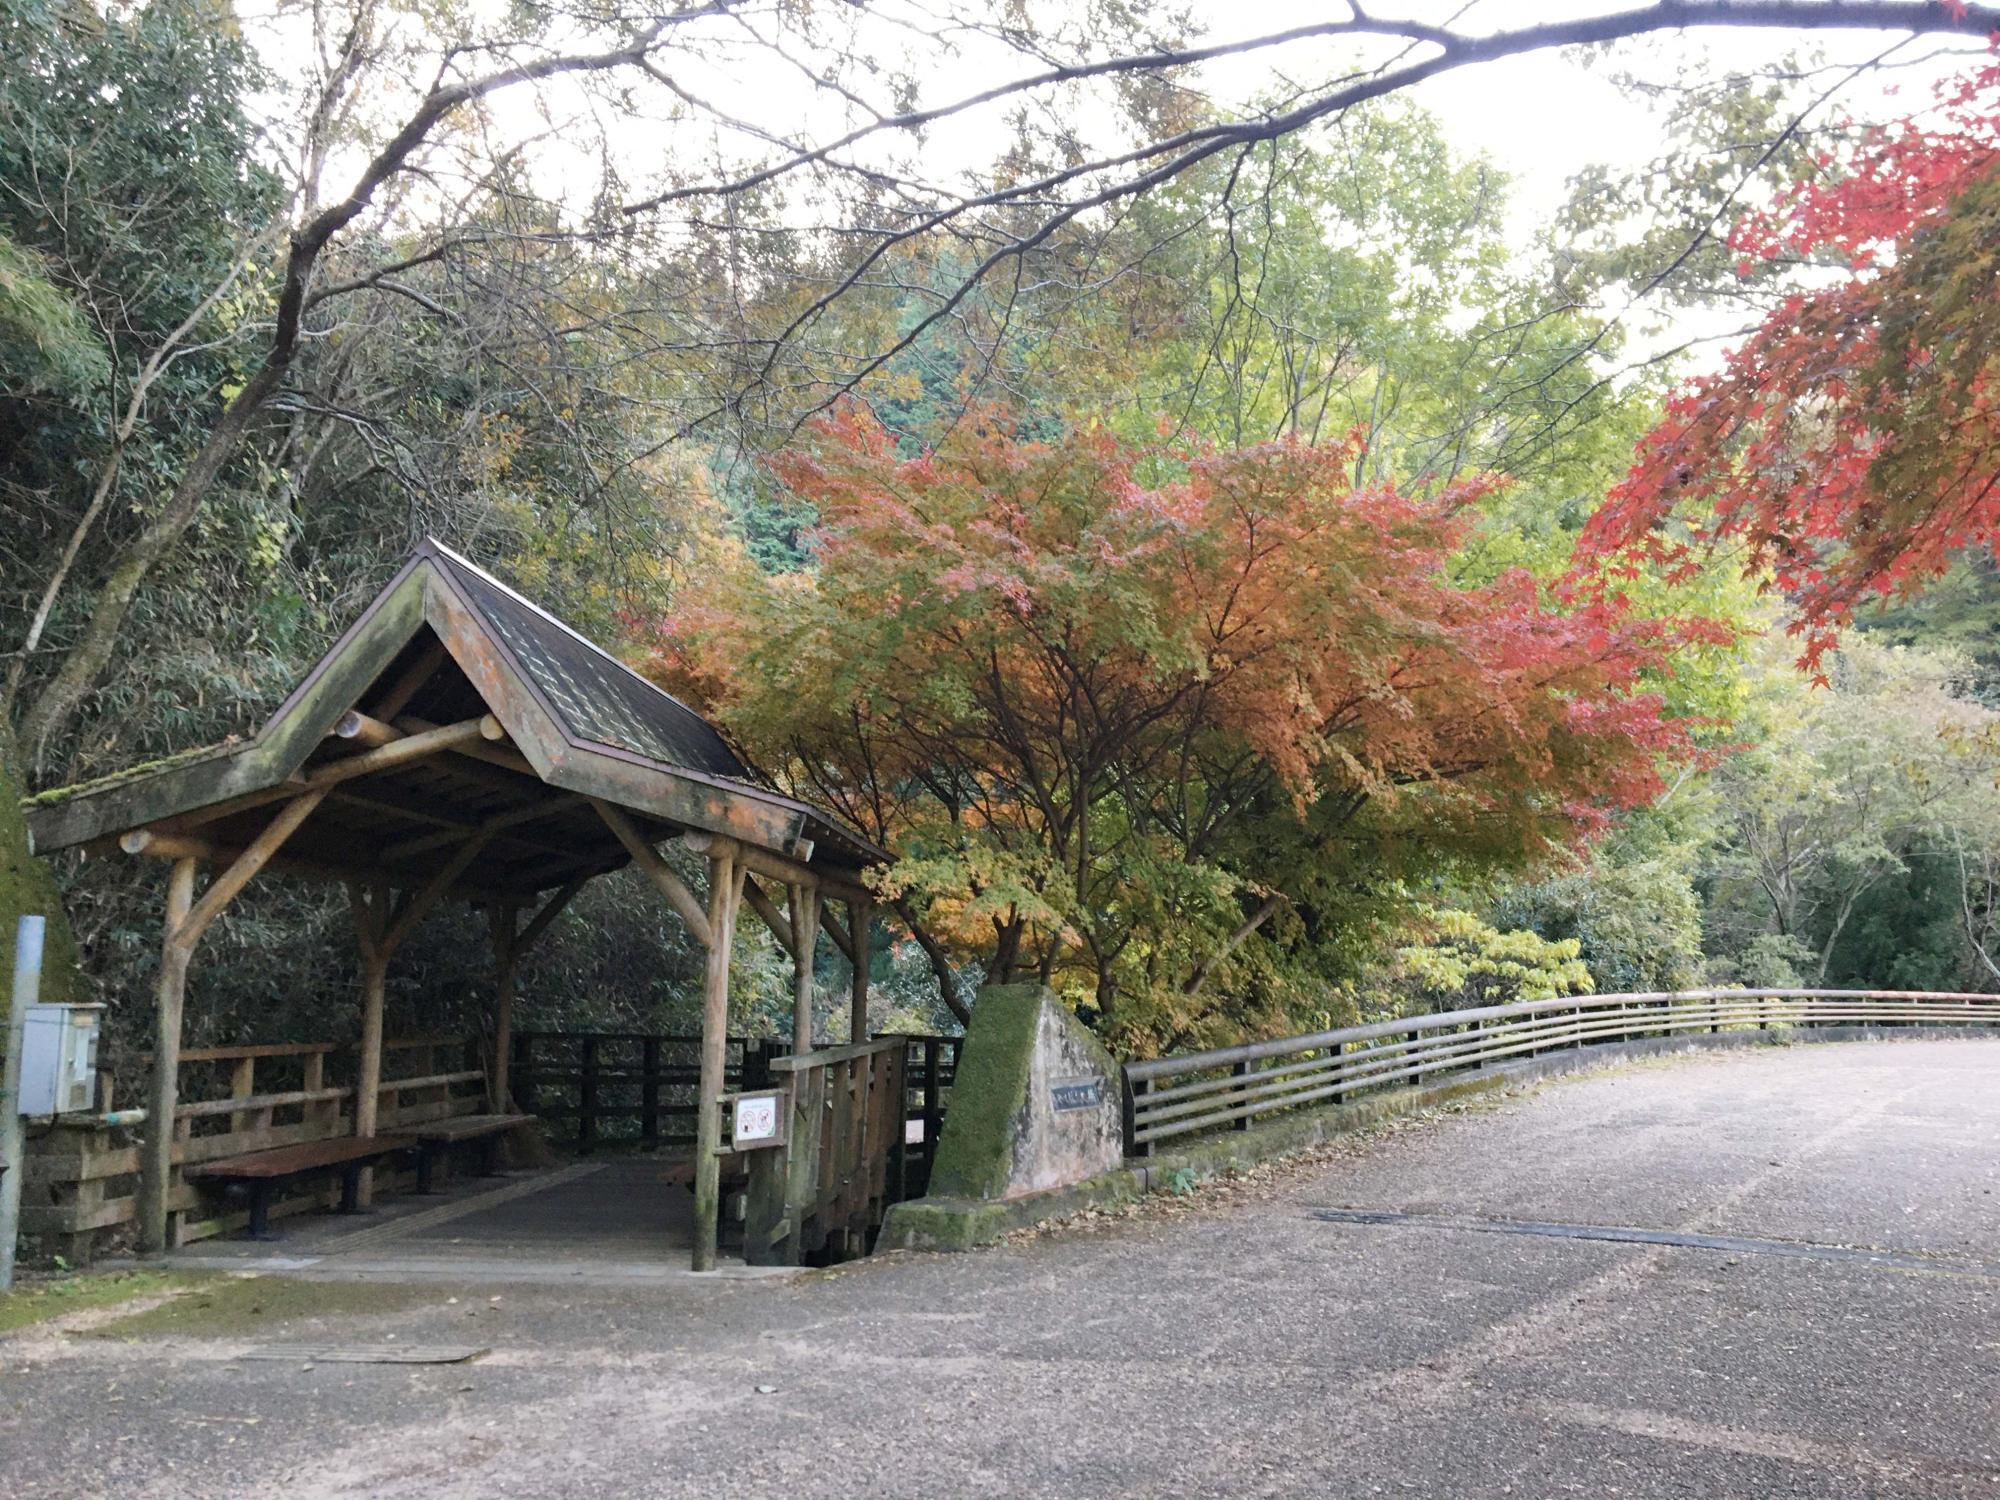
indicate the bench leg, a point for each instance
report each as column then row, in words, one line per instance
column 426, row 1169
column 260, row 1211
column 350, row 1190
column 489, row 1156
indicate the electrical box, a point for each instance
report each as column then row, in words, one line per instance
column 59, row 1059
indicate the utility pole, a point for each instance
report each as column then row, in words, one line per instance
column 27, row 987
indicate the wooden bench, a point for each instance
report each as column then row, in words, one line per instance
column 262, row 1173
column 435, row 1138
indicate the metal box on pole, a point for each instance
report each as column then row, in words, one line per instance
column 59, row 1059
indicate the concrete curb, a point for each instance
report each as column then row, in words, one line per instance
column 952, row 1224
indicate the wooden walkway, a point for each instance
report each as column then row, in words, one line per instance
column 615, row 1220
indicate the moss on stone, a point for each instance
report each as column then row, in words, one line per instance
column 990, row 1085
column 965, row 1224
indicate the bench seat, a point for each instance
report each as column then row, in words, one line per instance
column 436, row 1137
column 262, row 1173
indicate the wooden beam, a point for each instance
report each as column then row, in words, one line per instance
column 804, row 901
column 506, row 952
column 411, row 682
column 492, row 753
column 407, row 747
column 156, row 1162
column 518, row 817
column 647, row 858
column 509, row 947
column 404, row 748
column 725, row 889
column 371, row 924
column 225, row 886
column 830, row 925
column 773, row 918
column 539, row 923
column 292, row 786
column 861, row 914
column 418, row 903
column 363, row 730
column 179, row 846
column 787, row 871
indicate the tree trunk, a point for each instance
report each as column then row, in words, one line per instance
column 28, row 887
column 940, row 965
column 57, row 703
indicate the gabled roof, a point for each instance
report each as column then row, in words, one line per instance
column 597, row 697
column 461, row 643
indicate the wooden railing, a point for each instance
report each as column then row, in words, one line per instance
column 608, row 1087
column 930, row 1064
column 821, row 1192
column 1233, row 1086
column 234, row 1100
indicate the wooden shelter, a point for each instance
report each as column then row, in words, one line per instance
column 460, row 742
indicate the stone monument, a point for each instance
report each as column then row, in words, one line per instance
column 1035, row 1109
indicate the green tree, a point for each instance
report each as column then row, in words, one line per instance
column 1847, row 818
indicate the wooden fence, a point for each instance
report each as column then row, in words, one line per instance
column 81, row 1174
column 827, row 1187
column 930, row 1065
column 623, row 1088
column 607, row 1087
column 1232, row 1086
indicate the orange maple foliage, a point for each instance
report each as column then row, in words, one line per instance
column 1085, row 689
column 1850, row 449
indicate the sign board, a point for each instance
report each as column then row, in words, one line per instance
column 756, row 1120
column 1076, row 1093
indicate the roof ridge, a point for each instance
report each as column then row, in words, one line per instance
column 461, row 560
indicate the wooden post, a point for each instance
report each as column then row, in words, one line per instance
column 861, row 914
column 323, row 1113
column 805, row 930
column 156, row 1166
column 242, row 1084
column 524, row 1071
column 501, row 920
column 586, row 1096
column 371, row 921
column 649, row 1090
column 933, row 1103
column 509, row 946
column 725, row 888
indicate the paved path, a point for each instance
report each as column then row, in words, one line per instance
column 1442, row 1334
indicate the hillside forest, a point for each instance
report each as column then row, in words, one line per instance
column 1252, row 574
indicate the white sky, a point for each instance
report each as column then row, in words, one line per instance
column 1544, row 115
column 1540, row 117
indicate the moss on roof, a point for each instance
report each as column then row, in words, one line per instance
column 60, row 794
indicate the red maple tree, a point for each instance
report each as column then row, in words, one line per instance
column 1115, row 705
column 1849, row 450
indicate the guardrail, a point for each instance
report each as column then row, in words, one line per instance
column 1231, row 1086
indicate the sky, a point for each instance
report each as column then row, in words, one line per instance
column 1545, row 115
column 1540, row 117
